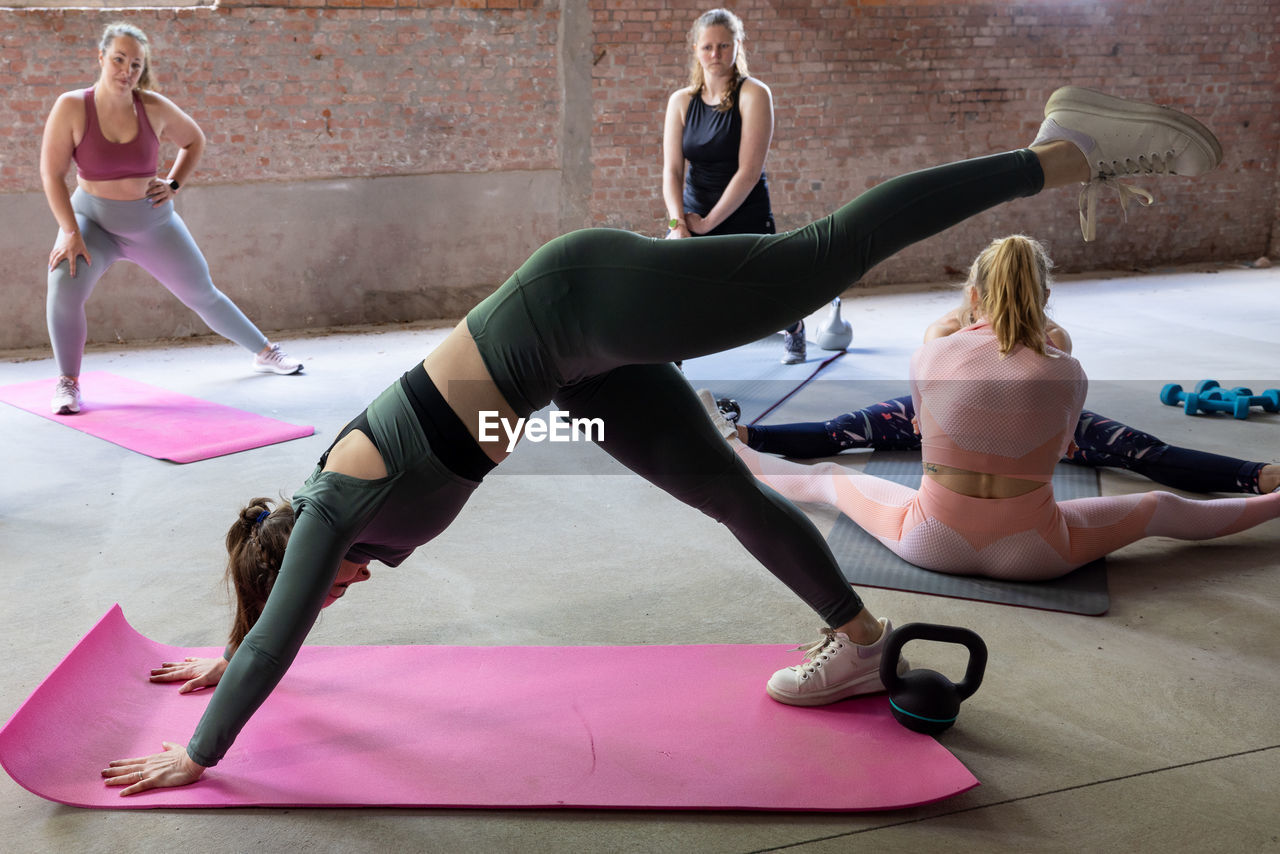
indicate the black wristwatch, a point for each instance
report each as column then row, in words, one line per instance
column 173, row 184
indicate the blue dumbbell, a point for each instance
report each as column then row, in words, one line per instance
column 1244, row 400
column 1172, row 395
column 1209, row 396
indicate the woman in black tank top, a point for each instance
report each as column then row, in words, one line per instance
column 715, row 142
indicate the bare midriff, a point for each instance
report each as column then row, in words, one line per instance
column 977, row 484
column 459, row 373
column 117, row 190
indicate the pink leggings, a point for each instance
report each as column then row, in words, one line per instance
column 1028, row 538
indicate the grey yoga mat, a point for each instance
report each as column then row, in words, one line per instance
column 867, row 563
column 754, row 376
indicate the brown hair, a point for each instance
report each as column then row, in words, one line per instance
column 255, row 549
column 731, row 22
column 117, row 29
column 1012, row 280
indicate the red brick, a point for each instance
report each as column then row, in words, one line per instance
column 863, row 89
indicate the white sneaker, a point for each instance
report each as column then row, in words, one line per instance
column 274, row 361
column 834, row 668
column 66, row 397
column 1121, row 139
column 724, row 425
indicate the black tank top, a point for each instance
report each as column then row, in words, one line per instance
column 710, row 145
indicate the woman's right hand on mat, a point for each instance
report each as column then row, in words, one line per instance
column 157, row 771
column 199, row 672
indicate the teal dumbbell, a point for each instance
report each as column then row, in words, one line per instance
column 1209, row 396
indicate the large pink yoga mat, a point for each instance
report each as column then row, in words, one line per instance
column 645, row 727
column 154, row 421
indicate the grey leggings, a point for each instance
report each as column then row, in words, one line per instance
column 156, row 239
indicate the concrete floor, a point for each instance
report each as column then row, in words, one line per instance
column 1152, row 728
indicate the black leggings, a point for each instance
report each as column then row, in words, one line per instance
column 593, row 319
column 1099, row 441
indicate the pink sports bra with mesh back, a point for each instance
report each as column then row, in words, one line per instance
column 1012, row 415
column 99, row 159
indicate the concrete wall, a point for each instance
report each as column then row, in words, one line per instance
column 385, row 160
column 315, row 253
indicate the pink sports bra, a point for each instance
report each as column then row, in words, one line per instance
column 1012, row 415
column 99, row 159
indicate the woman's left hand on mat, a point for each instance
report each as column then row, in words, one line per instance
column 158, row 771
column 199, row 672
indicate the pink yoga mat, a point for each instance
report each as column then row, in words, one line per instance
column 644, row 727
column 154, row 421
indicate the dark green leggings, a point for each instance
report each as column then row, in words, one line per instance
column 593, row 319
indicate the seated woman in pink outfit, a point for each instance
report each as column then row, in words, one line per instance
column 997, row 404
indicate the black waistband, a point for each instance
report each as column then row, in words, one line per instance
column 446, row 433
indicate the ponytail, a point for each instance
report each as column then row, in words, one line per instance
column 1012, row 279
column 255, row 550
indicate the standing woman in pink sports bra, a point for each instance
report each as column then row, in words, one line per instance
column 997, row 405
column 122, row 210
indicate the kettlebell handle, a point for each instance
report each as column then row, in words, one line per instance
column 944, row 634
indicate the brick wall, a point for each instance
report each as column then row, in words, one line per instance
column 865, row 90
column 320, row 90
column 324, row 124
column 503, row 94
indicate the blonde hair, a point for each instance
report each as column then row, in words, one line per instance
column 117, row 29
column 1011, row 277
column 697, row 81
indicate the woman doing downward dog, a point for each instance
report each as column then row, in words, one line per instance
column 593, row 321
column 997, row 406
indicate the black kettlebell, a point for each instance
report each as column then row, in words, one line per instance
column 925, row 700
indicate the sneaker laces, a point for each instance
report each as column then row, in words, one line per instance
column 275, row 355
column 816, row 652
column 67, row 386
column 1126, row 192
column 1153, row 164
